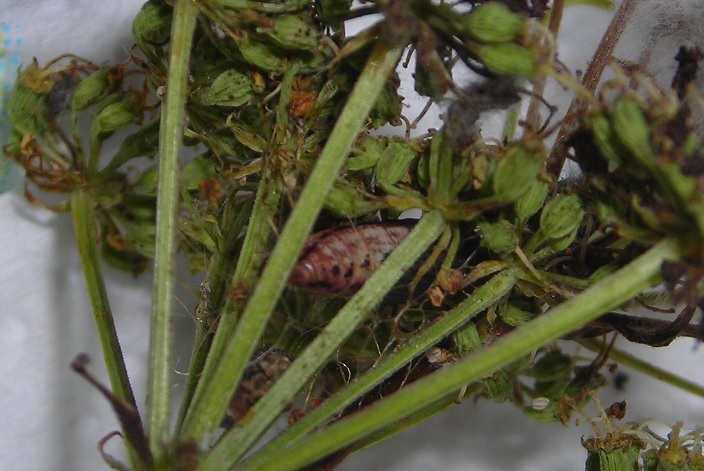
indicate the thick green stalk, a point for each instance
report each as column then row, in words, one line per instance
column 483, row 297
column 206, row 413
column 160, row 382
column 238, row 441
column 85, row 230
column 570, row 315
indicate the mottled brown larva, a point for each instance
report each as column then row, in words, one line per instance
column 340, row 260
column 260, row 375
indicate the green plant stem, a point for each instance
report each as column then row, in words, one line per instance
column 222, row 264
column 255, row 245
column 208, row 353
column 208, row 410
column 483, row 297
column 170, row 135
column 634, row 363
column 85, row 230
column 570, row 315
column 238, row 441
column 250, row 260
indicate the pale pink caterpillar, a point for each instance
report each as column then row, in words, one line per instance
column 340, row 260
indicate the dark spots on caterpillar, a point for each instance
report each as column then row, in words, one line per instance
column 340, row 260
column 366, row 263
column 264, row 369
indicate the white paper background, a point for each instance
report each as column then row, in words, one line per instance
column 51, row 419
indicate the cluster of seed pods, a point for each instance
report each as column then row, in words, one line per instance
column 338, row 261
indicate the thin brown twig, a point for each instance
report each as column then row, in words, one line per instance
column 533, row 115
column 590, row 79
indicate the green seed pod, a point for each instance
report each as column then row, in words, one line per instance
column 260, row 55
column 651, row 461
column 427, row 83
column 515, row 172
column 493, row 22
column 90, row 90
column 606, row 140
column 552, row 366
column 499, row 237
column 27, row 111
column 691, row 144
column 152, row 26
column 137, row 235
column 345, row 201
column 548, row 415
column 142, row 143
column 333, row 13
column 147, row 182
column 231, row 88
column 291, row 32
column 394, row 162
column 246, row 136
column 125, row 260
column 498, row 387
column 532, row 200
column 367, row 154
column 563, row 242
column 507, row 59
column 617, row 455
column 111, row 118
column 632, row 129
column 141, row 208
column 515, row 316
column 195, row 171
column 465, row 340
column 561, row 216
column 387, row 108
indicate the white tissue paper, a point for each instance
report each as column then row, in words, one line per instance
column 52, row 419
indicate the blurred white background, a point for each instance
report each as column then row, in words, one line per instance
column 52, row 420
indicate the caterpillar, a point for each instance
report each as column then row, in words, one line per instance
column 264, row 369
column 338, row 261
